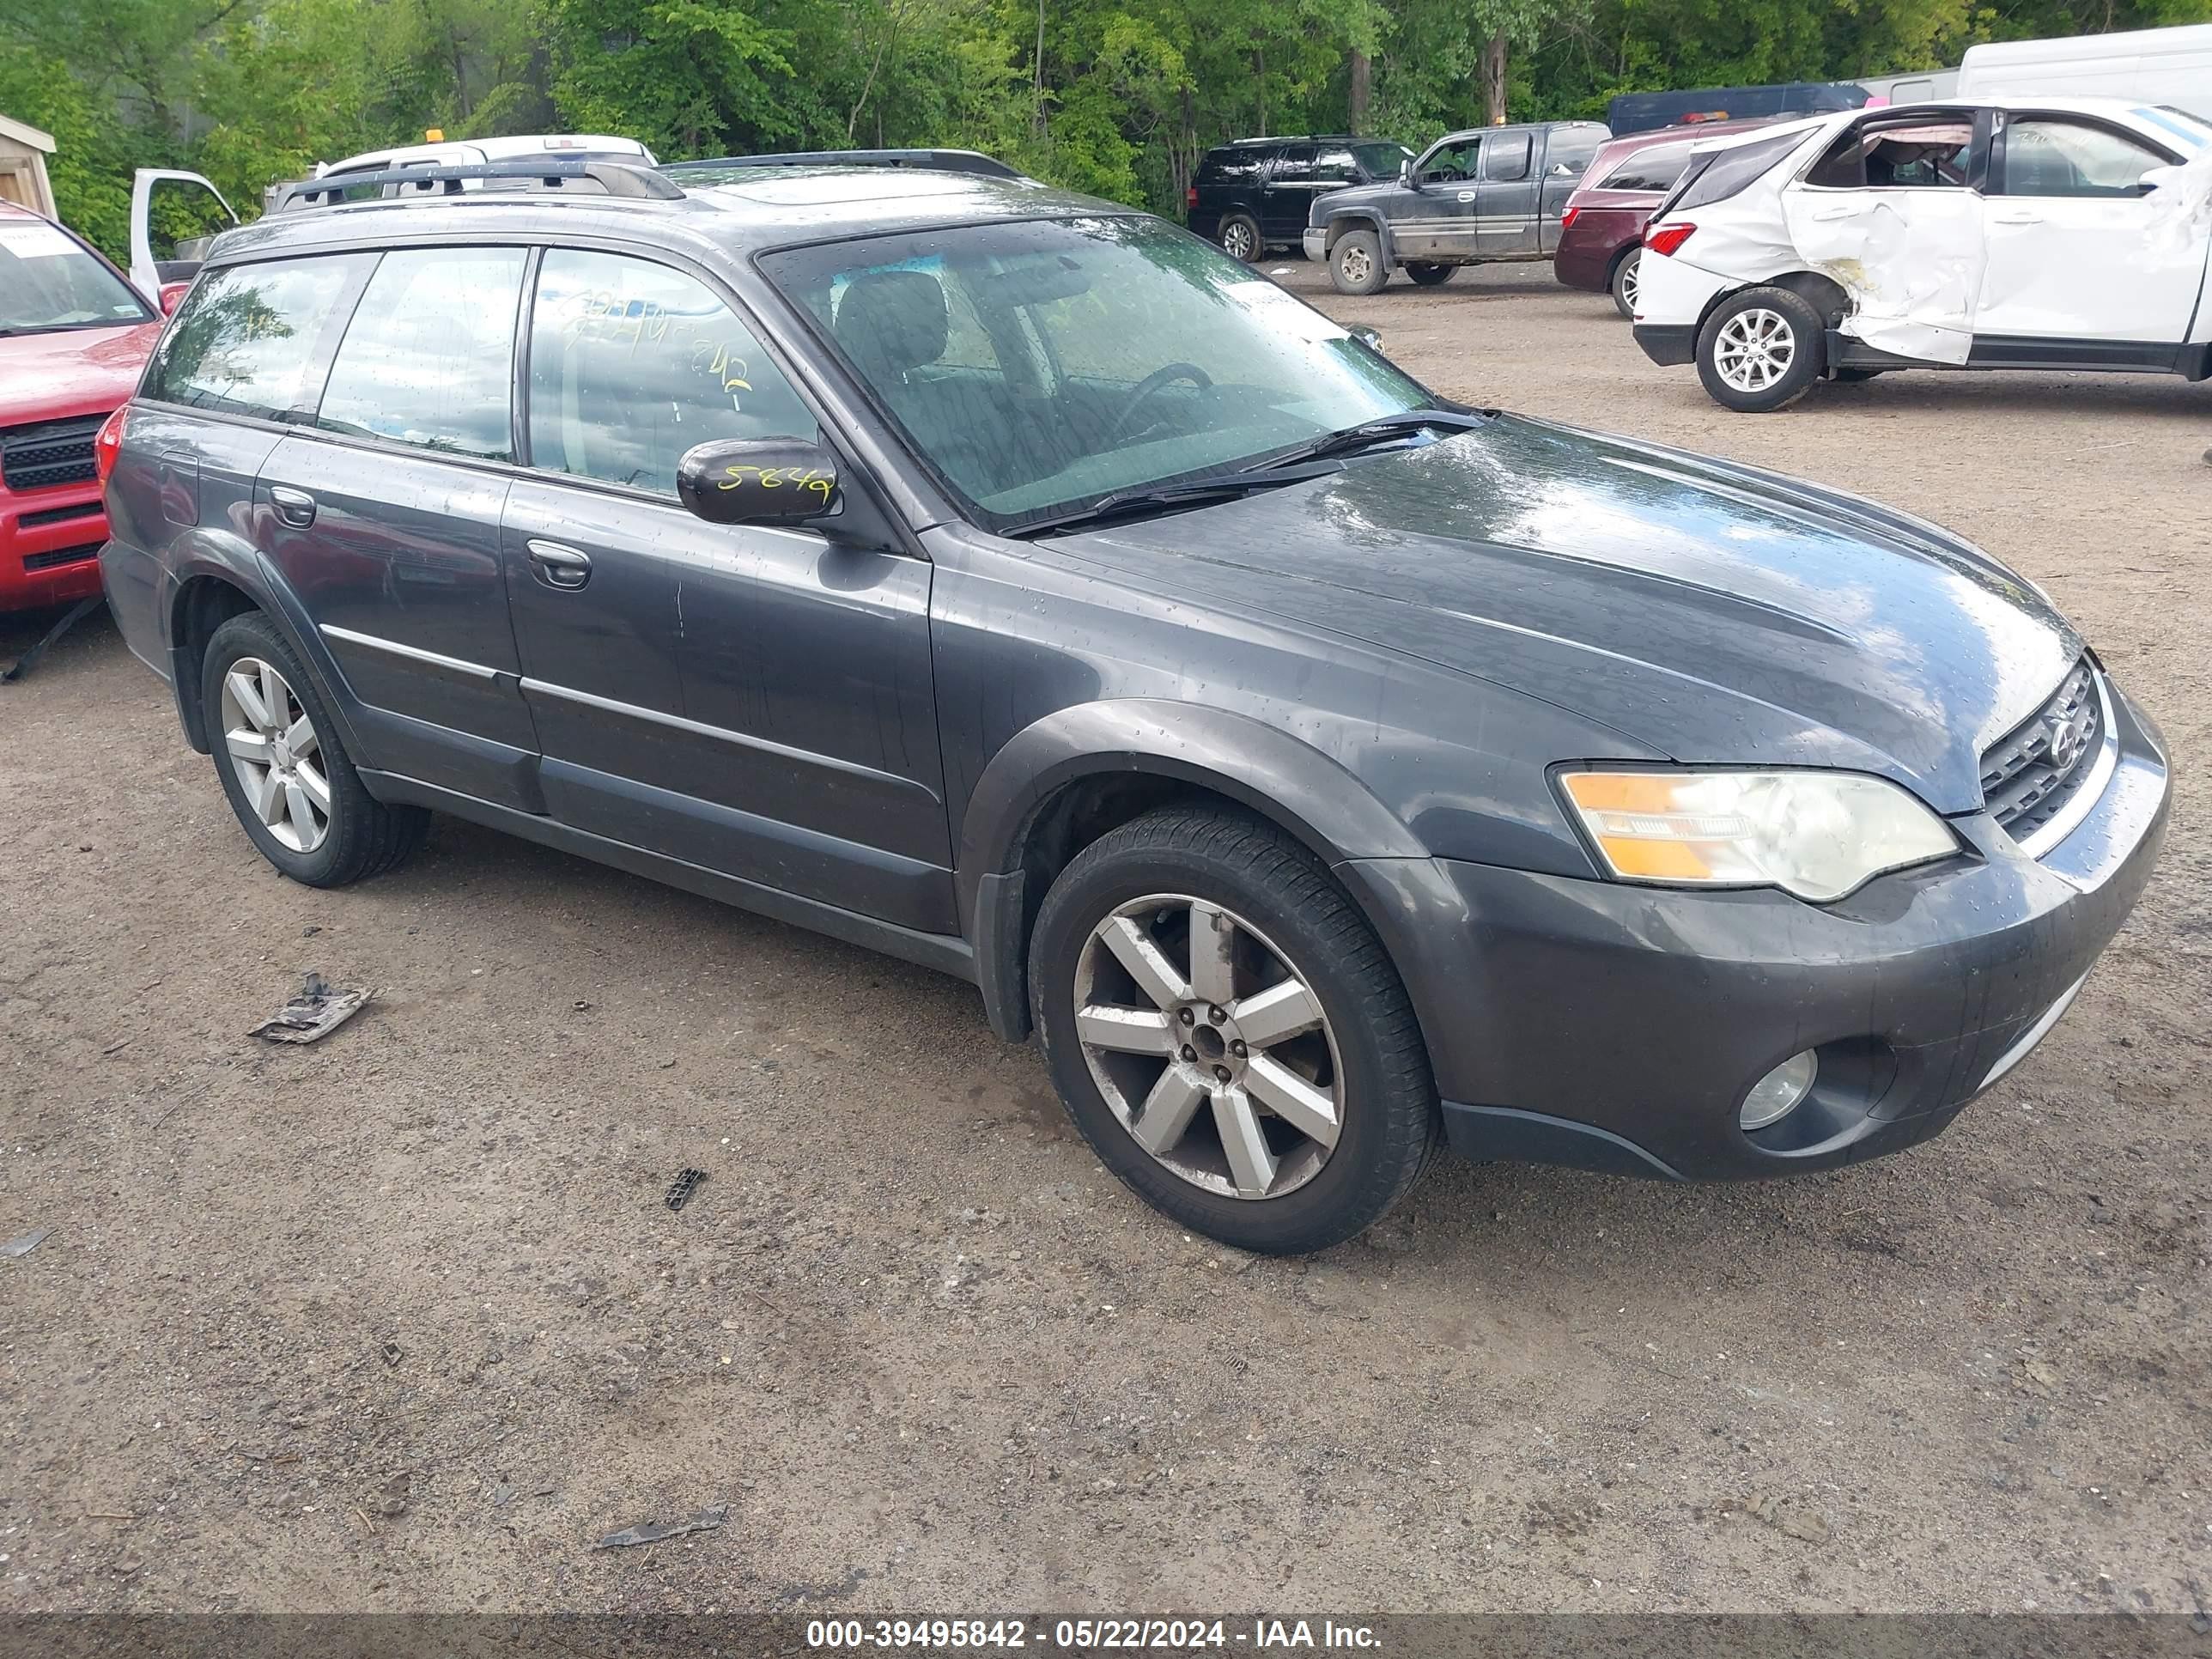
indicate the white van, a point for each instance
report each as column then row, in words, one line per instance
column 2144, row 66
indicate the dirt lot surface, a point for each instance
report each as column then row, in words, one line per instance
column 401, row 1320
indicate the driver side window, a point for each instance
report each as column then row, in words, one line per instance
column 2067, row 158
column 1454, row 164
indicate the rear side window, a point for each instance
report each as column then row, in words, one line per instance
column 1232, row 167
column 632, row 363
column 1505, row 157
column 1571, row 150
column 1723, row 173
column 249, row 335
column 429, row 359
column 1655, row 167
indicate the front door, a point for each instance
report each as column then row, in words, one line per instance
column 173, row 215
column 755, row 702
column 1433, row 218
column 1506, row 202
column 2077, row 249
column 385, row 521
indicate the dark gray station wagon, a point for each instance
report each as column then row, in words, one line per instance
column 1014, row 583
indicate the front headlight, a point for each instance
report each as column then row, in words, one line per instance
column 1817, row 835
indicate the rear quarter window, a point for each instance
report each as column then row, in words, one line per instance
column 1655, row 168
column 249, row 337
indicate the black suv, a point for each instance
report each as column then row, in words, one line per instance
column 1255, row 194
column 1011, row 581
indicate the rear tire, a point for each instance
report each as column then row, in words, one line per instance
column 1355, row 263
column 1240, row 237
column 1289, row 940
column 1625, row 276
column 301, row 802
column 1430, row 276
column 1761, row 350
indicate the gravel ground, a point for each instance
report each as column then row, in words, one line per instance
column 400, row 1322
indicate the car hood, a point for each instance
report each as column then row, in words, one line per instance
column 71, row 371
column 1328, row 201
column 1709, row 611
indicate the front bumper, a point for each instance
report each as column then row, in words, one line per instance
column 1616, row 1027
column 1315, row 243
column 50, row 545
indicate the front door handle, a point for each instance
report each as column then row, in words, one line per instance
column 560, row 566
column 295, row 507
column 2019, row 217
column 1827, row 214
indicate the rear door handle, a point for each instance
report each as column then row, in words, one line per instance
column 560, row 566
column 295, row 507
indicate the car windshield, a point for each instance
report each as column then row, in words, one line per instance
column 47, row 281
column 1040, row 366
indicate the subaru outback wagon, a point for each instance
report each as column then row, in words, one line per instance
column 1012, row 582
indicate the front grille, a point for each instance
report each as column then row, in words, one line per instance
column 61, row 555
column 57, row 515
column 2030, row 774
column 40, row 457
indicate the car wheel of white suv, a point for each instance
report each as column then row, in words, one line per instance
column 1761, row 350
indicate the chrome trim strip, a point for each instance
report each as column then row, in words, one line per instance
column 2078, row 807
column 723, row 734
column 412, row 652
column 2035, row 1033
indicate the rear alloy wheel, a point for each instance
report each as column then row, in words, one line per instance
column 1240, row 237
column 1228, row 1033
column 1429, row 275
column 1355, row 263
column 284, row 768
column 1626, row 278
column 1761, row 350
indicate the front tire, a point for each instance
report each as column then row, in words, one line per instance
column 1626, row 278
column 1355, row 263
column 1429, row 275
column 1240, row 237
column 284, row 768
column 1761, row 350
column 1228, row 1033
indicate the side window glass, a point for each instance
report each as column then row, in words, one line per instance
column 1452, row 164
column 1294, row 165
column 1571, row 152
column 246, row 338
column 1335, row 166
column 632, row 363
column 2063, row 158
column 1928, row 155
column 1654, row 167
column 1505, row 157
column 429, row 359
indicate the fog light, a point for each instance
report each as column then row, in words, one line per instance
column 1775, row 1096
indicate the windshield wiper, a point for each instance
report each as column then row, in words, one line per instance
column 1351, row 440
column 1190, row 492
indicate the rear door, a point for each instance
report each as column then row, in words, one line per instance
column 384, row 520
column 1892, row 211
column 2076, row 248
column 1289, row 194
column 172, row 217
column 1564, row 154
column 1506, row 200
column 754, row 700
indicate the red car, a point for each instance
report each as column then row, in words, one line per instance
column 1601, row 228
column 73, row 334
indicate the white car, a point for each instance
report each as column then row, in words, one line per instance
column 2038, row 233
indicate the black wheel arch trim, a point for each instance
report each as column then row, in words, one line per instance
column 1362, row 219
column 1260, row 767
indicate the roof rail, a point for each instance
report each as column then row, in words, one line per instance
column 939, row 161
column 598, row 178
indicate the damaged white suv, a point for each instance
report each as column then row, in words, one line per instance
column 2029, row 233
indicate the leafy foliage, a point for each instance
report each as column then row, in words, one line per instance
column 1117, row 97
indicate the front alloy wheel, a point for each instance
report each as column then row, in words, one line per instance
column 274, row 748
column 1228, row 1033
column 1209, row 1047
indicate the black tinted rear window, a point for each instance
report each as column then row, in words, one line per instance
column 1655, row 167
column 1723, row 173
column 249, row 335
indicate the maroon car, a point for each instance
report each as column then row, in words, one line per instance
column 1602, row 228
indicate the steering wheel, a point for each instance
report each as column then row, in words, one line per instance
column 1142, row 392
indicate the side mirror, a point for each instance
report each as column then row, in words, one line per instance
column 2156, row 177
column 172, row 295
column 1371, row 339
column 758, row 481
column 1407, row 176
